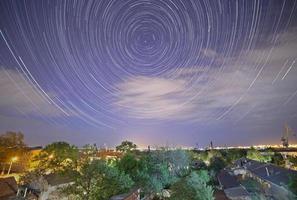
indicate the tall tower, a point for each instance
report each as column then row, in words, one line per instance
column 285, row 137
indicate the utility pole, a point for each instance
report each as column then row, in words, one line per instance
column 12, row 160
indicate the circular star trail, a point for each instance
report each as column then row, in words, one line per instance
column 107, row 62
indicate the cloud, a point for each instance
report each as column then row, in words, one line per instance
column 243, row 88
column 209, row 53
column 19, row 95
column 154, row 98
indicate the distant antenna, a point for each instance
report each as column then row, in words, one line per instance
column 211, row 145
column 105, row 146
column 285, row 137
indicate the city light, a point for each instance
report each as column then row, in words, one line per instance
column 14, row 159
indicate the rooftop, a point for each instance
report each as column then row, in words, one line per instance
column 8, row 187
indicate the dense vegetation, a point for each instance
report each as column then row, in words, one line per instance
column 162, row 173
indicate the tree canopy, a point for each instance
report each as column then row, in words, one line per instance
column 193, row 187
column 293, row 184
column 57, row 157
column 98, row 181
column 254, row 154
column 12, row 145
column 126, row 146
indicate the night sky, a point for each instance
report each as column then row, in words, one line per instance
column 158, row 72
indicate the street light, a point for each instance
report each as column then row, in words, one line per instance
column 13, row 159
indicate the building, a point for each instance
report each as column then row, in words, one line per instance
column 35, row 151
column 231, row 186
column 46, row 187
column 274, row 179
column 8, row 188
column 54, row 182
column 133, row 195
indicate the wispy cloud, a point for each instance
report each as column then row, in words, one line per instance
column 154, row 98
column 243, row 87
column 19, row 95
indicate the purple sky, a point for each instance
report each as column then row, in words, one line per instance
column 169, row 72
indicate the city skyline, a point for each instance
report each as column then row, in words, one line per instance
column 153, row 72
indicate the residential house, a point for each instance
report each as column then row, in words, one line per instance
column 54, row 183
column 8, row 188
column 231, row 186
column 46, row 187
column 273, row 178
column 133, row 195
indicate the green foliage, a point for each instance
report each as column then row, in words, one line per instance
column 154, row 176
column 204, row 176
column 278, row 159
column 130, row 165
column 201, row 155
column 126, row 146
column 156, row 170
column 193, row 187
column 231, row 155
column 293, row 184
column 57, row 157
column 216, row 164
column 210, row 155
column 177, row 161
column 293, row 161
column 12, row 140
column 254, row 154
column 98, row 181
column 87, row 154
column 12, row 145
column 214, row 154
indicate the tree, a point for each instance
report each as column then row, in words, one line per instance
column 148, row 172
column 152, row 176
column 231, row 155
column 130, row 165
column 159, row 169
column 214, row 154
column 12, row 145
column 278, row 159
column 193, row 187
column 216, row 164
column 98, row 181
column 293, row 184
column 87, row 153
column 254, row 154
column 57, row 157
column 293, row 161
column 201, row 155
column 126, row 146
column 12, row 140
column 177, row 161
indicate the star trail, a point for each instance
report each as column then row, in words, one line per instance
column 153, row 71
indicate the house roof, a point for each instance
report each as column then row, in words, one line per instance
column 227, row 180
column 220, row 195
column 8, row 187
column 57, row 179
column 119, row 197
column 236, row 192
column 269, row 172
column 277, row 175
column 133, row 194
